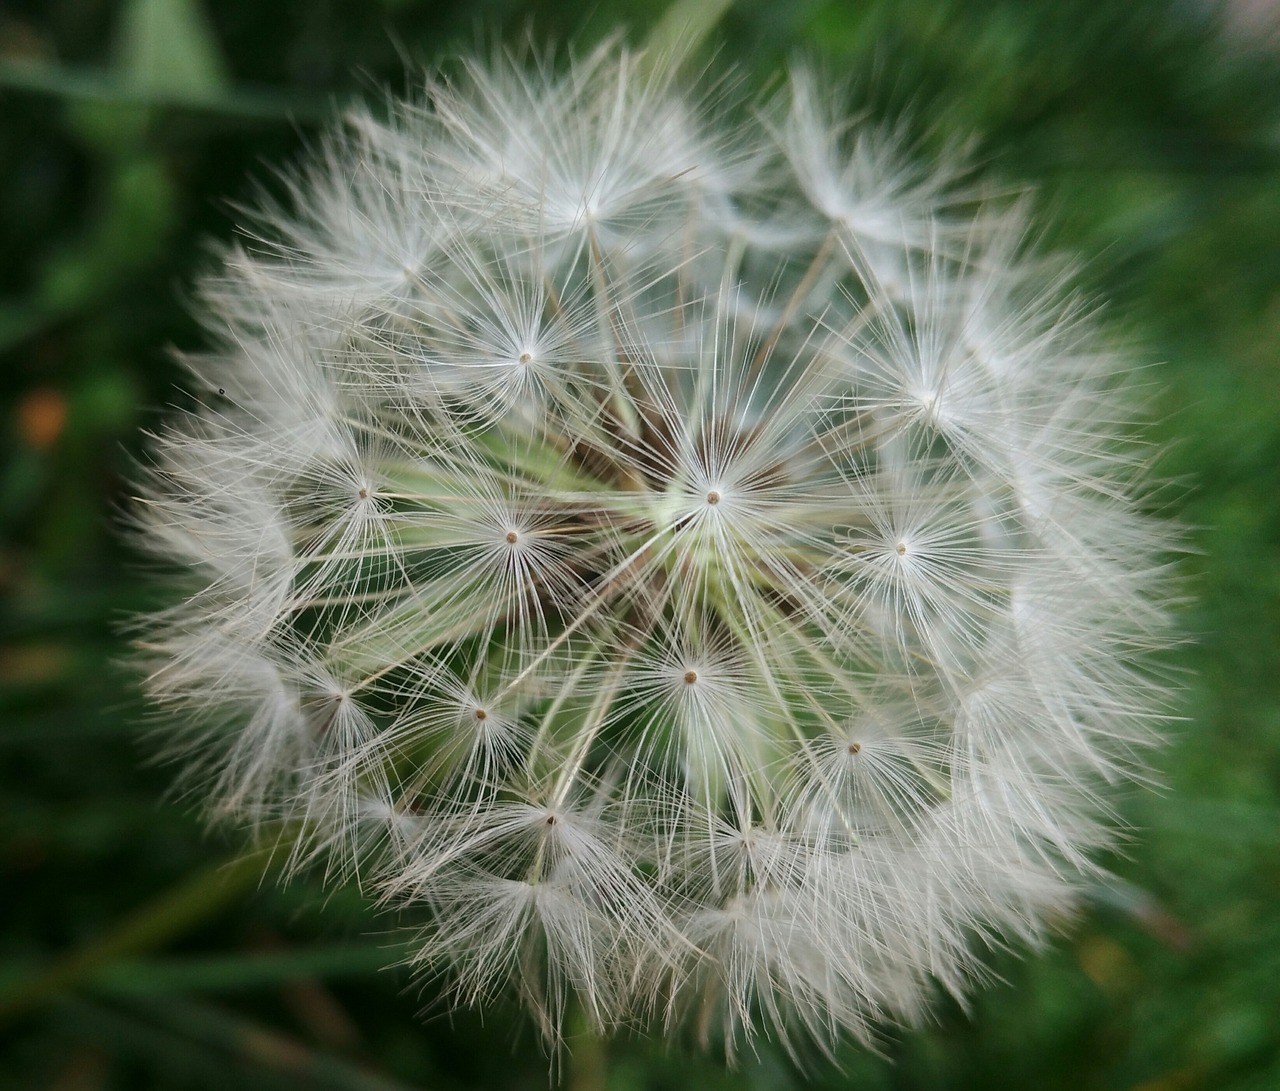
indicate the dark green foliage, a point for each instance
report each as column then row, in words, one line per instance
column 128, row 961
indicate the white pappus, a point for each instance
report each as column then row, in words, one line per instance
column 696, row 554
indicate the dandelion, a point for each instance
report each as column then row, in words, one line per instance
column 694, row 554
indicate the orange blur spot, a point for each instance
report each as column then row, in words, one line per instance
column 42, row 415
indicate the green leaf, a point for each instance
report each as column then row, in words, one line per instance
column 206, row 1046
column 172, row 914
column 684, row 26
column 167, row 46
column 246, row 971
column 96, row 88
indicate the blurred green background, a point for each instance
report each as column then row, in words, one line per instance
column 133, row 957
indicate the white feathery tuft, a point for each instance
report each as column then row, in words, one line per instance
column 698, row 558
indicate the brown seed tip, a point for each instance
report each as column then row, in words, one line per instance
column 713, row 497
column 481, row 714
column 690, row 677
column 512, row 537
column 525, row 357
column 901, row 547
column 551, row 820
column 364, row 493
column 854, row 747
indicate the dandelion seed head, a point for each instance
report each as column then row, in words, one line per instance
column 699, row 562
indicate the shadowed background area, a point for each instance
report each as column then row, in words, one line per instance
column 137, row 951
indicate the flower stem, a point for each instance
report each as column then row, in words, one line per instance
column 588, row 1056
